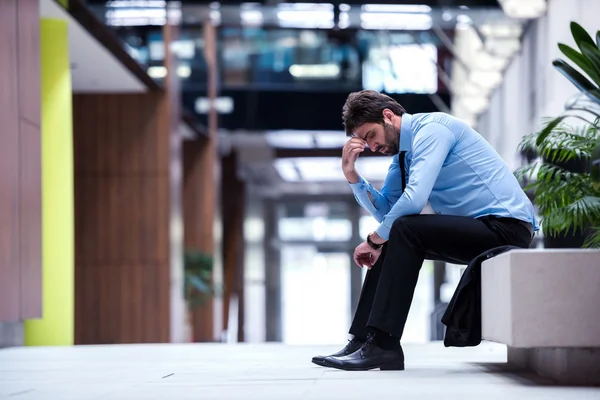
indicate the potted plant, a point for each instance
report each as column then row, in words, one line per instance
column 565, row 177
column 568, row 200
column 198, row 280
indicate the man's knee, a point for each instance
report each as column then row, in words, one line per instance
column 401, row 224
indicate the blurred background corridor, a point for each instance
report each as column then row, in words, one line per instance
column 171, row 170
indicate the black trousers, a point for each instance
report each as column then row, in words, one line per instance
column 389, row 286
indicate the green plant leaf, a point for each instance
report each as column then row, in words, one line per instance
column 593, row 240
column 592, row 53
column 549, row 128
column 199, row 284
column 598, row 39
column 575, row 216
column 595, row 163
column 582, row 61
column 580, row 35
column 577, row 79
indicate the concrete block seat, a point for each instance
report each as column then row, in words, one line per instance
column 544, row 304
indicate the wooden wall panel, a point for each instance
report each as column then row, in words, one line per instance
column 122, row 205
column 198, row 212
column 20, row 172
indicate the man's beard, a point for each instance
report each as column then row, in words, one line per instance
column 391, row 137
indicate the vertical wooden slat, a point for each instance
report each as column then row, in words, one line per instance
column 9, row 164
column 29, row 60
column 233, row 210
column 30, row 217
column 30, row 191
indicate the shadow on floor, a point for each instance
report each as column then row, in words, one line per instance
column 520, row 375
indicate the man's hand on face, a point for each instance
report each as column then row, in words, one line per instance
column 350, row 153
column 365, row 256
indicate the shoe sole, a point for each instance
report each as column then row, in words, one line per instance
column 382, row 367
column 320, row 363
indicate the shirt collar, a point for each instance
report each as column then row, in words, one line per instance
column 406, row 132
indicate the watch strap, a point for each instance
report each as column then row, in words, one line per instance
column 374, row 246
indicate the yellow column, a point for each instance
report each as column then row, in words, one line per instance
column 56, row 327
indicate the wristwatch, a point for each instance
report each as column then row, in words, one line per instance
column 374, row 246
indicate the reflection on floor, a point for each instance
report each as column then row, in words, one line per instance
column 261, row 371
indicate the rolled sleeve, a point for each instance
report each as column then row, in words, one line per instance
column 361, row 190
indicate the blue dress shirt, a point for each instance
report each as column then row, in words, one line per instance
column 450, row 165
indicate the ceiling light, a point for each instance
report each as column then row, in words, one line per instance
column 136, row 3
column 402, row 8
column 502, row 47
column 314, row 70
column 306, row 18
column 475, row 104
column 251, row 17
column 502, row 30
column 223, row 105
column 286, row 169
column 524, row 8
column 184, row 71
column 464, row 19
column 397, row 21
column 485, row 79
column 470, row 88
column 290, row 139
column 344, row 20
column 481, row 60
column 157, row 72
column 215, row 16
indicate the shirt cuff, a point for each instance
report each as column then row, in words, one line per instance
column 359, row 186
column 383, row 231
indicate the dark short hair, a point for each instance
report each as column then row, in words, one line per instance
column 367, row 106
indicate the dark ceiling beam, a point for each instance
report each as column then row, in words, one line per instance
column 318, row 152
column 190, row 119
column 109, row 39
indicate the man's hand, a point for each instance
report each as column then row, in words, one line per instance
column 350, row 153
column 365, row 256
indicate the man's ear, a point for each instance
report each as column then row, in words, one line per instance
column 388, row 115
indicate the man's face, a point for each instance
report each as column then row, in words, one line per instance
column 380, row 138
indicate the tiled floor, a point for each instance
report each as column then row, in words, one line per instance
column 261, row 371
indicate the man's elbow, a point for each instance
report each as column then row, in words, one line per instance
column 417, row 204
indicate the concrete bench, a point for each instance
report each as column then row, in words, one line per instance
column 544, row 304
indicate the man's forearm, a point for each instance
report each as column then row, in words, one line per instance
column 352, row 176
column 370, row 199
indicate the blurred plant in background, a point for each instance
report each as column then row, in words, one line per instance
column 198, row 282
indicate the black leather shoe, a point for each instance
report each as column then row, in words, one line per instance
column 369, row 356
column 350, row 348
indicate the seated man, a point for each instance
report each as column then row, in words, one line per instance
column 478, row 203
